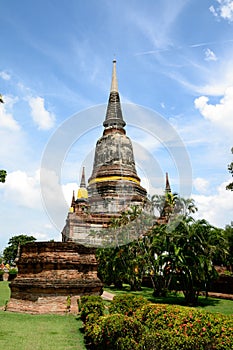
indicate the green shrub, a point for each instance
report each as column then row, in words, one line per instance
column 126, row 304
column 86, row 298
column 166, row 339
column 91, row 308
column 136, row 324
column 188, row 328
column 113, row 332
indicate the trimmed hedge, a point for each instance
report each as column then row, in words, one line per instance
column 165, row 340
column 87, row 298
column 133, row 323
column 113, row 332
column 185, row 328
column 91, row 307
column 126, row 304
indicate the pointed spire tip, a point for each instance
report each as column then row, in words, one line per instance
column 83, row 180
column 114, row 85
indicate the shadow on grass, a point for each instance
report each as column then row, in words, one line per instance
column 172, row 297
column 179, row 300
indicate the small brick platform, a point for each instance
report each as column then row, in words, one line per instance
column 52, row 276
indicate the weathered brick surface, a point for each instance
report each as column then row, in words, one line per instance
column 49, row 272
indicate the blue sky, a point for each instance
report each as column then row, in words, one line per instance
column 173, row 58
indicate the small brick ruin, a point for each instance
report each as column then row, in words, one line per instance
column 52, row 276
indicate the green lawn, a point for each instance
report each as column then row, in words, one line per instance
column 209, row 304
column 37, row 332
column 52, row 332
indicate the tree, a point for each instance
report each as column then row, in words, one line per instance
column 170, row 205
column 155, row 250
column 158, row 202
column 230, row 168
column 10, row 252
column 3, row 174
column 124, row 263
column 192, row 252
column 228, row 232
column 180, row 256
column 111, row 268
column 185, row 206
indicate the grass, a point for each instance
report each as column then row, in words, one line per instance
column 38, row 332
column 4, row 293
column 51, row 332
column 213, row 305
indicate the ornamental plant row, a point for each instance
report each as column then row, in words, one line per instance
column 132, row 322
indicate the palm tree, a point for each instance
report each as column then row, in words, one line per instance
column 196, row 244
column 3, row 175
column 158, row 202
column 185, row 206
column 230, row 169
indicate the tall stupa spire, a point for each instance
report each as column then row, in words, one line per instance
column 114, row 185
column 83, row 181
column 114, row 85
column 167, row 187
column 82, row 191
column 114, row 118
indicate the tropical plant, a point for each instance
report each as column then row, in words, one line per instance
column 185, row 206
column 191, row 255
column 180, row 256
column 171, row 204
column 125, row 262
column 3, row 175
column 228, row 234
column 230, row 168
column 111, row 268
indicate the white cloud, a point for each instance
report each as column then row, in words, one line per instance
column 68, row 191
column 42, row 117
column 216, row 209
column 5, row 75
column 46, row 236
column 217, row 80
column 41, row 236
column 201, row 185
column 210, row 55
column 7, row 120
column 221, row 113
column 224, row 10
column 23, row 189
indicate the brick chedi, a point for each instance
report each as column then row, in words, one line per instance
column 51, row 277
column 114, row 185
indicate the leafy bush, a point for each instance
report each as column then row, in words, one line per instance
column 136, row 324
column 91, row 310
column 113, row 332
column 86, row 298
column 187, row 328
column 166, row 339
column 126, row 304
